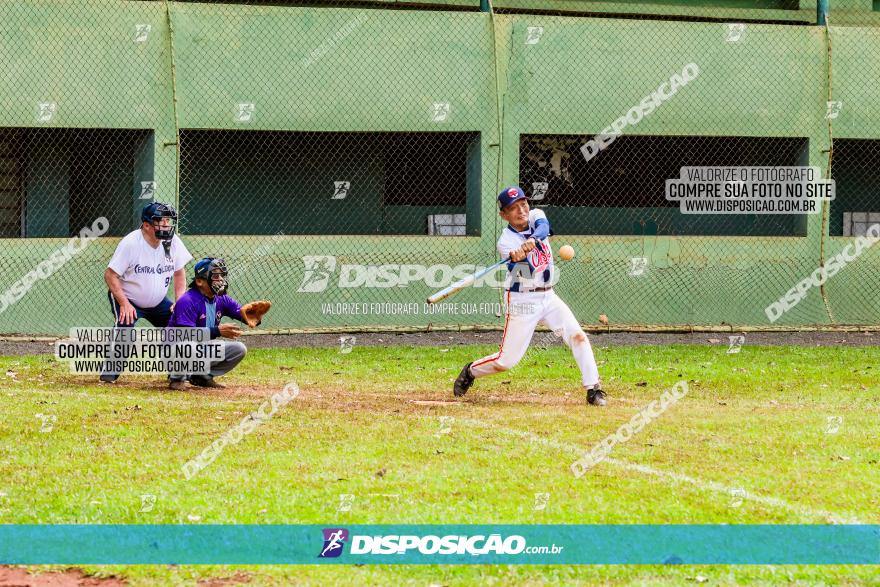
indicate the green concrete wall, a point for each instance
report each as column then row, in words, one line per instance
column 385, row 76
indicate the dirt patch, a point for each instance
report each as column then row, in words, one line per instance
column 229, row 391
column 20, row 577
column 24, row 347
column 348, row 400
column 159, row 386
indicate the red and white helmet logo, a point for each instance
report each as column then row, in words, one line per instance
column 512, row 192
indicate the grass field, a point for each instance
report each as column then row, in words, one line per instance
column 794, row 428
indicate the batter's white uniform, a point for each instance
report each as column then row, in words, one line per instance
column 526, row 307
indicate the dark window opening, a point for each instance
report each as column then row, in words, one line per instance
column 377, row 4
column 621, row 190
column 56, row 181
column 753, row 4
column 779, row 12
column 269, row 182
column 428, row 166
column 11, row 184
column 856, row 173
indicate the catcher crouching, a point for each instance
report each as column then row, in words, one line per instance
column 203, row 305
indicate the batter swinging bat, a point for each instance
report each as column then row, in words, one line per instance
column 463, row 283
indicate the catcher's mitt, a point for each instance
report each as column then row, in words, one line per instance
column 253, row 312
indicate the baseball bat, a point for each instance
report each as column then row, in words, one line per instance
column 463, row 283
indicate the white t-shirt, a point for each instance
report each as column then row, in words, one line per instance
column 540, row 271
column 145, row 272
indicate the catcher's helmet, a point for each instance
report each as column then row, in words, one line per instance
column 207, row 269
column 154, row 212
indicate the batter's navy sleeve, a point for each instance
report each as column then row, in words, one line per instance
column 542, row 229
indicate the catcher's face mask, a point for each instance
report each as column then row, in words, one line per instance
column 213, row 271
column 162, row 218
column 164, row 228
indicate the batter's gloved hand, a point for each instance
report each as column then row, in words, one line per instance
column 253, row 312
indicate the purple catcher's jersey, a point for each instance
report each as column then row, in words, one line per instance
column 190, row 311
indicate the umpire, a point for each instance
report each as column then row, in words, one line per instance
column 141, row 270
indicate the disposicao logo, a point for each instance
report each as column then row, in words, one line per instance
column 334, row 541
column 477, row 545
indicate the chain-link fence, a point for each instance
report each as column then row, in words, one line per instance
column 344, row 158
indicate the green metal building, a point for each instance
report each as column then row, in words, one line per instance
column 378, row 133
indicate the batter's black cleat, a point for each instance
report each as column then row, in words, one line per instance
column 596, row 397
column 463, row 382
